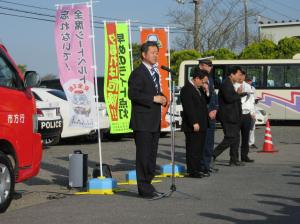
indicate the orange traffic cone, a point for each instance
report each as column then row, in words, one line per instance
column 268, row 144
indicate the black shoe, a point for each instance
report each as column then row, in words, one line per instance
column 236, row 163
column 213, row 170
column 247, row 160
column 253, row 146
column 195, row 175
column 205, row 173
column 152, row 195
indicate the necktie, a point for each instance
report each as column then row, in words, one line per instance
column 155, row 77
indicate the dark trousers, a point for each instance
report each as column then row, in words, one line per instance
column 146, row 152
column 231, row 139
column 209, row 145
column 245, row 133
column 194, row 150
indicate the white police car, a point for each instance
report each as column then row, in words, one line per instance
column 55, row 95
column 50, row 123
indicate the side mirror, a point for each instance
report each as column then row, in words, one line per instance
column 32, row 79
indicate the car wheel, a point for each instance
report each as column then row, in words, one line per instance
column 51, row 141
column 7, row 182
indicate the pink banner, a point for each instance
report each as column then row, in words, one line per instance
column 75, row 62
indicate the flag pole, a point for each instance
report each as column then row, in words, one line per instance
column 96, row 89
column 130, row 43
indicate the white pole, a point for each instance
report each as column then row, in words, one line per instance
column 130, row 44
column 96, row 90
column 169, row 62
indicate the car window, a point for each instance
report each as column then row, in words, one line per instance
column 8, row 75
column 58, row 93
column 36, row 96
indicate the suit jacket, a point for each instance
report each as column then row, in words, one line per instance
column 230, row 109
column 146, row 115
column 194, row 108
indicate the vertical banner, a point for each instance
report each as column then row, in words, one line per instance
column 116, row 75
column 75, row 63
column 160, row 35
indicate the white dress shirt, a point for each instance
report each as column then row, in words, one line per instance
column 248, row 101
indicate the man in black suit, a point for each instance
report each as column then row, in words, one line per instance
column 146, row 97
column 230, row 113
column 208, row 151
column 194, row 97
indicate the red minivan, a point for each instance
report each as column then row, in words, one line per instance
column 20, row 144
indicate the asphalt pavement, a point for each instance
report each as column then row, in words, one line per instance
column 266, row 191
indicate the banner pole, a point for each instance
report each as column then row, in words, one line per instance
column 96, row 90
column 172, row 103
column 130, row 43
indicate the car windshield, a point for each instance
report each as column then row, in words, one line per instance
column 58, row 93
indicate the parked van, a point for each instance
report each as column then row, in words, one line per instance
column 20, row 144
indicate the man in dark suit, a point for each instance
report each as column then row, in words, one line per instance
column 145, row 94
column 207, row 65
column 194, row 98
column 230, row 113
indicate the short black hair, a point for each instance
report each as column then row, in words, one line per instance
column 199, row 73
column 234, row 69
column 145, row 47
column 243, row 72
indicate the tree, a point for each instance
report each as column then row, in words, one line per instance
column 23, row 68
column 221, row 25
column 288, row 47
column 178, row 56
column 136, row 48
column 49, row 76
column 265, row 49
column 219, row 54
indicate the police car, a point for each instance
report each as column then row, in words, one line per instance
column 50, row 123
column 55, row 95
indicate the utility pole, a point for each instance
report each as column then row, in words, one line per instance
column 197, row 25
column 246, row 22
column 196, row 33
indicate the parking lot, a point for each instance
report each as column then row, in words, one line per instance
column 264, row 192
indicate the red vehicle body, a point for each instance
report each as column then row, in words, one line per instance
column 19, row 140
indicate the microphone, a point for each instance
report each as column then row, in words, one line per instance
column 168, row 69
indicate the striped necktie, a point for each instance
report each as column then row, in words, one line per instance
column 155, row 77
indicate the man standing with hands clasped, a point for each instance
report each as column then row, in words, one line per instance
column 146, row 97
column 194, row 97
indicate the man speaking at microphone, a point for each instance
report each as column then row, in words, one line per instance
column 146, row 97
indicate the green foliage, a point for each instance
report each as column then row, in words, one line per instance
column 23, row 68
column 265, row 49
column 178, row 56
column 136, row 55
column 288, row 47
column 220, row 54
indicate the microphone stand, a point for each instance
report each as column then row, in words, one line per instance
column 172, row 112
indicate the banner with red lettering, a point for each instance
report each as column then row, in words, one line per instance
column 160, row 35
column 75, row 63
column 116, row 75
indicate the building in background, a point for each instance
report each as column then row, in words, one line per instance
column 276, row 30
